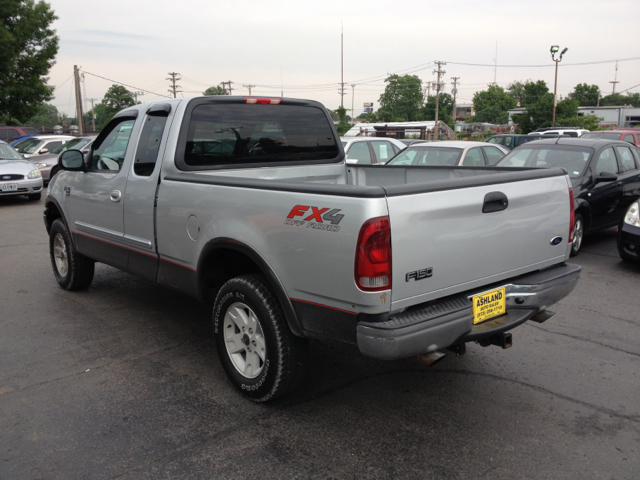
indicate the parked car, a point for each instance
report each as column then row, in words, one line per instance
column 410, row 141
column 370, row 150
column 629, row 234
column 450, row 153
column 15, row 140
column 605, row 175
column 41, row 144
column 48, row 163
column 626, row 135
column 568, row 131
column 287, row 242
column 511, row 140
column 11, row 132
column 17, row 175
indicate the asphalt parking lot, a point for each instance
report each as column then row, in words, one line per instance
column 122, row 381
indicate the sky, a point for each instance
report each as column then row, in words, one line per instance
column 294, row 47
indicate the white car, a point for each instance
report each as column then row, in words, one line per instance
column 570, row 132
column 41, row 144
column 371, row 150
column 17, row 175
column 454, row 153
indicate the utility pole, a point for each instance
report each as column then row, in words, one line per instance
column 84, row 94
column 341, row 67
column 93, row 114
column 440, row 72
column 353, row 96
column 136, row 95
column 615, row 80
column 173, row 78
column 454, row 91
column 225, row 89
column 76, row 76
column 554, row 50
column 249, row 87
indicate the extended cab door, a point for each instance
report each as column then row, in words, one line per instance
column 95, row 199
column 142, row 185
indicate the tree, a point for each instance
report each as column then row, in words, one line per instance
column 28, row 49
column 586, row 95
column 516, row 90
column 491, row 105
column 402, row 99
column 617, row 99
column 343, row 126
column 46, row 115
column 445, row 106
column 590, row 122
column 216, row 90
column 540, row 113
column 117, row 98
column 532, row 92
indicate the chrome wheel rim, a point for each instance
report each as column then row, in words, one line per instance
column 244, row 340
column 577, row 235
column 60, row 255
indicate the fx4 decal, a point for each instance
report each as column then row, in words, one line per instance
column 315, row 217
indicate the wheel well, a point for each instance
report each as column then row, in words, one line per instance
column 586, row 218
column 220, row 265
column 51, row 214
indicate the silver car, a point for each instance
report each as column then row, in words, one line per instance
column 17, row 175
column 41, row 144
column 48, row 163
column 454, row 153
column 370, row 150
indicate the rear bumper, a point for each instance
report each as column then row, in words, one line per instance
column 436, row 325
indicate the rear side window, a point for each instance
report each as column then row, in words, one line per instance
column 149, row 145
column 474, row 158
column 494, row 155
column 29, row 131
column 497, row 140
column 360, row 151
column 573, row 160
column 6, row 133
column 383, row 150
column 233, row 134
column 626, row 158
column 51, row 146
column 630, row 139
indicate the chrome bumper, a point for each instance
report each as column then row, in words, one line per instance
column 437, row 325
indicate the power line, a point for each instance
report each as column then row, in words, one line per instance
column 542, row 66
column 125, row 85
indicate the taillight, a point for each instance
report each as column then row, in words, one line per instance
column 573, row 215
column 373, row 255
column 263, row 100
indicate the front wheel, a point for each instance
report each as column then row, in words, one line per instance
column 259, row 353
column 578, row 233
column 73, row 271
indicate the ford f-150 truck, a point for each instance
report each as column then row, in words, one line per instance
column 246, row 203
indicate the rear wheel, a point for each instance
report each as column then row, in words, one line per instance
column 259, row 353
column 72, row 270
column 578, row 234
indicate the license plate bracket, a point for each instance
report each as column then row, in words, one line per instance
column 9, row 187
column 489, row 305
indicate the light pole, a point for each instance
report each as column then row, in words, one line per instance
column 554, row 50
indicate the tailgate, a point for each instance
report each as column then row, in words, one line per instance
column 445, row 233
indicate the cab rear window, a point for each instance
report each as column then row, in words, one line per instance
column 233, row 134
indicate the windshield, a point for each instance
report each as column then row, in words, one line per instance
column 76, row 143
column 8, row 153
column 434, row 156
column 606, row 136
column 30, row 145
column 573, row 159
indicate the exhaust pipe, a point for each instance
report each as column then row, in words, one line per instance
column 428, row 359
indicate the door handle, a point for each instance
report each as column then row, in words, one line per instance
column 495, row 202
column 115, row 196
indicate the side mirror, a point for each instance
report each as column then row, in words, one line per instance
column 72, row 160
column 44, row 150
column 606, row 177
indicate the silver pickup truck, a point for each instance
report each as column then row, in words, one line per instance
column 246, row 203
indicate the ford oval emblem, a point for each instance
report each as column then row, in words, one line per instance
column 6, row 177
column 556, row 241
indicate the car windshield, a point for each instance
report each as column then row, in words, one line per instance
column 606, row 136
column 8, row 153
column 76, row 143
column 434, row 156
column 573, row 159
column 30, row 145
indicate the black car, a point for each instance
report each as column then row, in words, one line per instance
column 605, row 175
column 629, row 234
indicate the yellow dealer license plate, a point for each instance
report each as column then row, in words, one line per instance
column 489, row 305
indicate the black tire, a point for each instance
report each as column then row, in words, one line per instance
column 578, row 235
column 78, row 273
column 279, row 357
column 35, row 196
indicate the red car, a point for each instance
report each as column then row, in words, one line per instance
column 631, row 135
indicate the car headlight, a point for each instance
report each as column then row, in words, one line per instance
column 40, row 165
column 632, row 217
column 34, row 174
